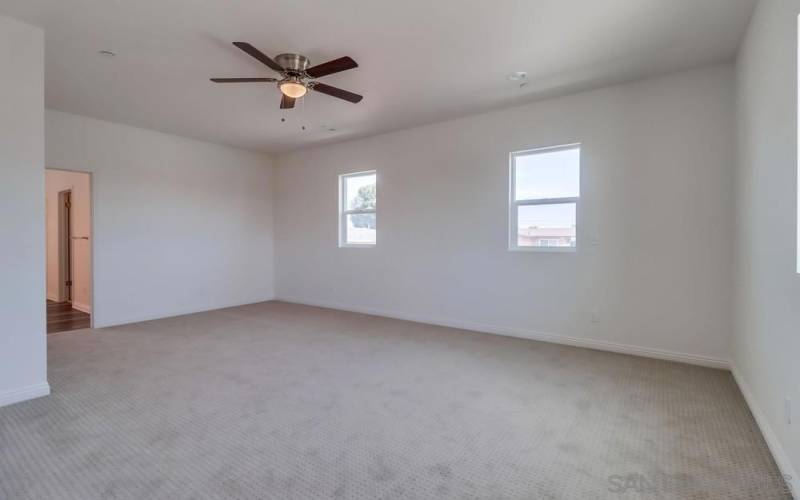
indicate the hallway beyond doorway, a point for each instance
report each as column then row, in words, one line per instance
column 62, row 317
column 68, row 223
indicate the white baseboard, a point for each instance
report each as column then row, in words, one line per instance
column 53, row 297
column 775, row 447
column 172, row 314
column 24, row 393
column 82, row 307
column 600, row 345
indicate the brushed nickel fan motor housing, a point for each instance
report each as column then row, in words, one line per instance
column 294, row 63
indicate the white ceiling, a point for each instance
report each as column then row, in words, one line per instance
column 420, row 60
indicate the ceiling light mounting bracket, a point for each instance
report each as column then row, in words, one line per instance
column 295, row 64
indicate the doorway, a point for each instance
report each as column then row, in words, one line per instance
column 69, row 250
column 65, row 246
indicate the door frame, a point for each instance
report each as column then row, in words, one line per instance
column 92, row 237
column 65, row 293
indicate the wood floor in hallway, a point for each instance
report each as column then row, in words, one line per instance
column 62, row 317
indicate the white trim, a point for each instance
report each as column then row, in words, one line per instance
column 82, row 307
column 53, row 297
column 542, row 149
column 358, row 211
column 357, row 245
column 544, row 249
column 18, row 395
column 774, row 444
column 547, row 201
column 553, row 338
column 172, row 314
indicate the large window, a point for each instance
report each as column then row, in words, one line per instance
column 544, row 196
column 357, row 209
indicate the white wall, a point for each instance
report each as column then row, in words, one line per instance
column 23, row 354
column 657, row 191
column 767, row 339
column 179, row 225
column 78, row 183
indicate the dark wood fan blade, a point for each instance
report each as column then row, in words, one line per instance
column 254, row 52
column 337, row 92
column 242, row 80
column 287, row 102
column 331, row 67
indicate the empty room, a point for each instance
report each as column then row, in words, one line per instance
column 300, row 250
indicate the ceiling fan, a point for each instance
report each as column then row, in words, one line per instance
column 296, row 76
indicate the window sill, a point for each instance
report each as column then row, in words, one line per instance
column 357, row 245
column 544, row 249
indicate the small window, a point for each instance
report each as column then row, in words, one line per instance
column 357, row 209
column 544, row 196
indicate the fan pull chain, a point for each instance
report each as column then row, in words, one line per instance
column 303, row 112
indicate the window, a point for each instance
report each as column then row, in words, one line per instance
column 549, row 243
column 544, row 196
column 357, row 209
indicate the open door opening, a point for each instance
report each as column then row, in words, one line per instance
column 69, row 259
column 65, row 246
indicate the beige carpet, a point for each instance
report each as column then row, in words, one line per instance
column 279, row 401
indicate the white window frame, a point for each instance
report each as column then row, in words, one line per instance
column 344, row 211
column 548, row 241
column 514, row 204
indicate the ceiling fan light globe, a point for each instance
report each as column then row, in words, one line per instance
column 294, row 90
